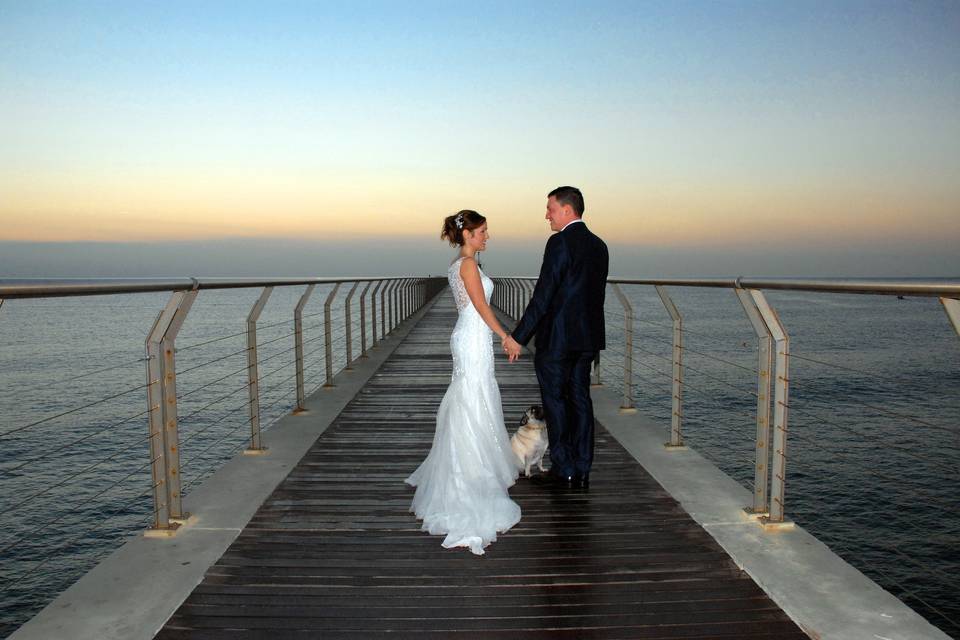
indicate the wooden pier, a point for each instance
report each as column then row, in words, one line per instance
column 335, row 553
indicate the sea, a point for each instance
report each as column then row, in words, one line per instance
column 873, row 434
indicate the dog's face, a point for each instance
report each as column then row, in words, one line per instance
column 533, row 416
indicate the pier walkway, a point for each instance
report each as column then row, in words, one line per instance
column 334, row 553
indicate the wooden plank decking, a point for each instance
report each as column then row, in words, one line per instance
column 334, row 552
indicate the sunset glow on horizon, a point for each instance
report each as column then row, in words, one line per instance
column 812, row 125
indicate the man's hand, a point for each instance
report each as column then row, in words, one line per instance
column 511, row 347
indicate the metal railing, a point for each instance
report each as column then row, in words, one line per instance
column 78, row 470
column 399, row 298
column 773, row 356
column 371, row 308
column 670, row 363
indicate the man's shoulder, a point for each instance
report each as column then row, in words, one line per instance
column 594, row 237
column 555, row 241
column 582, row 233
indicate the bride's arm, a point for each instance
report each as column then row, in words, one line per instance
column 470, row 274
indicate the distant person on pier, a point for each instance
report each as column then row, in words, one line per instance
column 566, row 315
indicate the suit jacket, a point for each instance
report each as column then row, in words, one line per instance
column 566, row 310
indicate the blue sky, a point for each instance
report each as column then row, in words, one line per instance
column 805, row 126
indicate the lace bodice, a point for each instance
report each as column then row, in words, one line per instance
column 460, row 295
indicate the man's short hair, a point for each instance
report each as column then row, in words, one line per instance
column 570, row 196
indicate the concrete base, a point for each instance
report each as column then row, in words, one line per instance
column 135, row 590
column 827, row 597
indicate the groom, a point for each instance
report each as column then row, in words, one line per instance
column 566, row 314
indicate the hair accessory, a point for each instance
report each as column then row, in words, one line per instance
column 459, row 221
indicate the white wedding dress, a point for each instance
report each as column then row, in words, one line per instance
column 462, row 484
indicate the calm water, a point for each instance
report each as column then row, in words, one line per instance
column 873, row 450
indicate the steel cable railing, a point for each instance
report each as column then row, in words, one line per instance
column 64, row 472
column 857, row 430
column 205, row 343
column 687, row 349
column 51, row 452
column 889, row 439
column 28, row 501
column 861, row 466
column 62, row 414
column 97, row 372
column 888, row 446
column 338, row 338
column 50, row 556
column 212, row 383
column 894, row 381
column 13, row 541
column 210, row 453
column 202, row 365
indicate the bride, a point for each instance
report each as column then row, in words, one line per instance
column 462, row 484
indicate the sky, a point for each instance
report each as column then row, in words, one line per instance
column 709, row 138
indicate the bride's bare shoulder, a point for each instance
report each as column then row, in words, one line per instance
column 467, row 265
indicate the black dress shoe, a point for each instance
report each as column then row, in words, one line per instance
column 554, row 479
column 581, row 481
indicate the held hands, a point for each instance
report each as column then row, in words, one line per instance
column 511, row 347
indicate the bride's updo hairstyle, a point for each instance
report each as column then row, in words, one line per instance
column 454, row 226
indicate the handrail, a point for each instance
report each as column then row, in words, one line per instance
column 948, row 287
column 772, row 395
column 59, row 287
column 767, row 324
column 62, row 287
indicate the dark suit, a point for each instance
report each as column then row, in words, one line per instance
column 566, row 314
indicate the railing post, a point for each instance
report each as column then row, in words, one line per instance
column 952, row 307
column 328, row 335
column 383, row 309
column 397, row 309
column 298, row 345
column 389, row 306
column 761, row 472
column 516, row 299
column 411, row 296
column 781, row 404
column 676, row 421
column 394, row 300
column 363, row 320
column 401, row 300
column 256, row 444
column 373, row 312
column 348, row 326
column 627, row 405
column 162, row 405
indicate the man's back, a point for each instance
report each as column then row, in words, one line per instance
column 574, row 321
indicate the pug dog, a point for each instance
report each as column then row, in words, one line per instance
column 529, row 443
